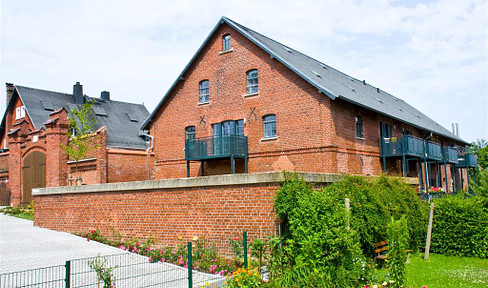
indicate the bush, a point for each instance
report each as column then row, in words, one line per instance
column 320, row 250
column 460, row 226
column 374, row 201
column 397, row 252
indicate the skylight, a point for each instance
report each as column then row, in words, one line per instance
column 72, row 107
column 398, row 108
column 352, row 89
column 132, row 116
column 287, row 49
column 379, row 100
column 316, row 74
column 418, row 116
column 323, row 66
column 48, row 105
column 99, row 111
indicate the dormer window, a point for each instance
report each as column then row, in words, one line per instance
column 226, row 42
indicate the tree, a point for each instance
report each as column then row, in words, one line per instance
column 81, row 124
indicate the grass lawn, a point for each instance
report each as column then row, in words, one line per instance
column 447, row 271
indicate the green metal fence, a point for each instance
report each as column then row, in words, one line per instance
column 126, row 269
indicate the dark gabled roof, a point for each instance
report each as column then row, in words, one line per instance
column 330, row 82
column 121, row 131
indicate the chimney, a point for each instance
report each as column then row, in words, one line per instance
column 455, row 129
column 78, row 93
column 10, row 91
column 105, row 95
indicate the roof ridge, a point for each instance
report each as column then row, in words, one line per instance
column 44, row 90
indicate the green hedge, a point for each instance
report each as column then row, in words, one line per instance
column 460, row 226
column 374, row 201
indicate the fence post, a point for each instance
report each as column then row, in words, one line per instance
column 348, row 208
column 190, row 267
column 67, row 278
column 429, row 232
column 244, row 244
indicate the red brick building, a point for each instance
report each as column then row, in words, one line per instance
column 246, row 103
column 34, row 128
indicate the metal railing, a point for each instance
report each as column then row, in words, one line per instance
column 433, row 150
column 467, row 161
column 216, row 147
column 405, row 145
column 53, row 276
column 449, row 155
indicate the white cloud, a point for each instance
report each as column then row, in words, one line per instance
column 433, row 54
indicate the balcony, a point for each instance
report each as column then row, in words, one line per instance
column 206, row 148
column 403, row 146
column 467, row 161
column 449, row 155
column 433, row 151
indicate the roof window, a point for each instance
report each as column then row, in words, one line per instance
column 316, row 74
column 99, row 111
column 379, row 100
column 132, row 116
column 48, row 105
column 287, row 49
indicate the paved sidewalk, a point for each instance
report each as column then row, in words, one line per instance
column 24, row 247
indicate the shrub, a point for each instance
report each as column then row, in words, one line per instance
column 460, row 226
column 397, row 252
column 320, row 249
column 374, row 201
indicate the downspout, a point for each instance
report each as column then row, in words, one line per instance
column 425, row 162
column 151, row 146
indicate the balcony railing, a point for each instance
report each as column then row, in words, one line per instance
column 467, row 161
column 406, row 145
column 449, row 155
column 216, row 147
column 433, row 150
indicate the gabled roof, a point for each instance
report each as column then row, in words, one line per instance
column 330, row 82
column 121, row 130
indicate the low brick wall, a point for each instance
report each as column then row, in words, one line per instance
column 215, row 207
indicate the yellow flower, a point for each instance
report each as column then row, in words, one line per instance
column 179, row 237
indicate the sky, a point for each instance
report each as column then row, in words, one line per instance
column 432, row 54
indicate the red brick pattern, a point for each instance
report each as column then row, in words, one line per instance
column 216, row 213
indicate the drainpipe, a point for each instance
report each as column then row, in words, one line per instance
column 151, row 146
column 425, row 163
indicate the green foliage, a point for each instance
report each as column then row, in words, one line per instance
column 236, row 246
column 20, row 212
column 81, row 124
column 258, row 249
column 320, row 249
column 397, row 252
column 480, row 188
column 460, row 226
column 104, row 273
column 480, row 148
column 373, row 203
column 242, row 277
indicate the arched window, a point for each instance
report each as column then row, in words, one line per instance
column 269, row 126
column 226, row 42
column 204, row 93
column 252, row 81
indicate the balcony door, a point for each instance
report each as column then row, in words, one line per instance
column 222, row 134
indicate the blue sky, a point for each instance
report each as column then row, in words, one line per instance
column 432, row 54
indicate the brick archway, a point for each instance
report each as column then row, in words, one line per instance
column 33, row 174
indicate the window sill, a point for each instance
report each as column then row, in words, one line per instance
column 269, row 139
column 360, row 138
column 226, row 51
column 251, row 94
column 203, row 103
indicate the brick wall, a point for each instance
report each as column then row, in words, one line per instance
column 128, row 165
column 216, row 207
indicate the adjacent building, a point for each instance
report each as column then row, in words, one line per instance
column 246, row 103
column 35, row 126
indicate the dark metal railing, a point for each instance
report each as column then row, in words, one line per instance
column 449, row 155
column 467, row 161
column 433, row 150
column 406, row 145
column 216, row 147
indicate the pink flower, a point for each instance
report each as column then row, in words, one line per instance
column 163, row 259
column 424, row 286
column 235, row 239
column 122, row 247
column 138, row 244
column 150, row 258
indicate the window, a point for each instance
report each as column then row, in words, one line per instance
column 19, row 112
column 204, row 92
column 269, row 126
column 190, row 133
column 359, row 127
column 226, row 42
column 252, row 81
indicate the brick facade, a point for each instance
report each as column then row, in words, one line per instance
column 314, row 133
